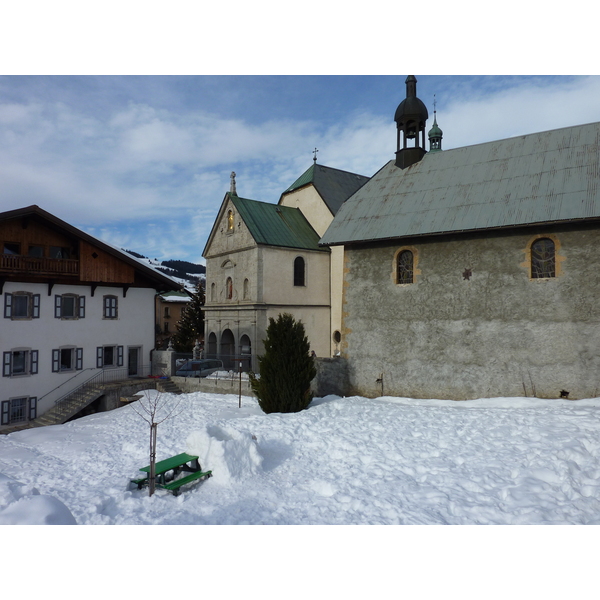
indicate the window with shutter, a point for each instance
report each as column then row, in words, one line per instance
column 110, row 307
column 21, row 305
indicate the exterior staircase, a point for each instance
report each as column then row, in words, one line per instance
column 69, row 407
column 78, row 399
column 167, row 386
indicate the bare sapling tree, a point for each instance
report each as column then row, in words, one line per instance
column 154, row 408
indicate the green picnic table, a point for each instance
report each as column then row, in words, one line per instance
column 167, row 470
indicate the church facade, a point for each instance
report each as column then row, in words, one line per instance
column 264, row 259
column 471, row 272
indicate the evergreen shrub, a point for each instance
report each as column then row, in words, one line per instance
column 286, row 368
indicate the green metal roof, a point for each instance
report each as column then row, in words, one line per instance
column 333, row 185
column 546, row 177
column 274, row 225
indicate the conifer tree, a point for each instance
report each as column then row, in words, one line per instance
column 286, row 368
column 190, row 326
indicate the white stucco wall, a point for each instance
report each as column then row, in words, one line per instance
column 309, row 201
column 134, row 327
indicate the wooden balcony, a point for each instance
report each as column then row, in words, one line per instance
column 13, row 264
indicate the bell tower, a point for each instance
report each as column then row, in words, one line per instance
column 411, row 116
column 435, row 133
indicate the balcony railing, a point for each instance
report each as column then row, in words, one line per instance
column 41, row 266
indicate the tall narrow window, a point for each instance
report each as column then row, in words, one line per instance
column 110, row 307
column 543, row 259
column 405, row 267
column 229, row 288
column 246, row 289
column 299, row 272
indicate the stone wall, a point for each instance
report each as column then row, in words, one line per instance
column 331, row 378
column 474, row 323
column 212, row 386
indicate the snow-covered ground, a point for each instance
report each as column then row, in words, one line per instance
column 342, row 461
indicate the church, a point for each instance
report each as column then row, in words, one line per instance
column 263, row 259
column 471, row 272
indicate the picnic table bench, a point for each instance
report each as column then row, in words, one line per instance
column 167, row 470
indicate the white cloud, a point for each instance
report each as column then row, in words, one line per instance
column 153, row 178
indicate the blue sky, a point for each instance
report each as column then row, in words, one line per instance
column 143, row 162
column 126, row 118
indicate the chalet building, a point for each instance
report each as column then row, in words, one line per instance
column 73, row 307
column 169, row 306
column 471, row 272
column 264, row 259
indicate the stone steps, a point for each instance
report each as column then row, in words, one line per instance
column 167, row 386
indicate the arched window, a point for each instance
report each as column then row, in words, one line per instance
column 299, row 272
column 405, row 267
column 246, row 289
column 229, row 288
column 212, row 292
column 227, row 353
column 543, row 259
column 212, row 346
column 246, row 352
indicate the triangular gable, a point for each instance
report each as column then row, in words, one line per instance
column 274, row 225
column 333, row 185
column 268, row 224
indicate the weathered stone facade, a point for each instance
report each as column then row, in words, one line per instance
column 474, row 323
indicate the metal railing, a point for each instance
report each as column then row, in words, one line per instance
column 231, row 362
column 74, row 398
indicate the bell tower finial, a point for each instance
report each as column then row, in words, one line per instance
column 435, row 133
column 411, row 116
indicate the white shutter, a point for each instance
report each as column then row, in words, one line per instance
column 7, row 306
column 32, row 408
column 78, row 359
column 57, row 306
column 55, row 361
column 5, row 419
column 36, row 306
column 99, row 357
column 81, row 307
column 34, row 361
column 119, row 356
column 6, row 362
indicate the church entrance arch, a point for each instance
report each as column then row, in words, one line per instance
column 227, row 353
